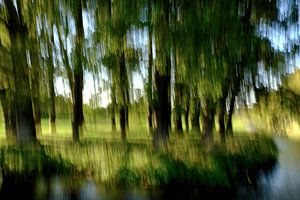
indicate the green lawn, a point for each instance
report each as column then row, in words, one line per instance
column 101, row 128
column 102, row 156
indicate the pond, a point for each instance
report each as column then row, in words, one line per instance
column 282, row 183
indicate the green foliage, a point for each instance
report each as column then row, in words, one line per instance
column 30, row 160
column 217, row 166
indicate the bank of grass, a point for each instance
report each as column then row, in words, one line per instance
column 187, row 162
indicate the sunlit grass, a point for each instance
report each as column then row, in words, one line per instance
column 102, row 155
column 112, row 162
column 138, row 128
column 99, row 128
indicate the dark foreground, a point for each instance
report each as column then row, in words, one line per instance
column 283, row 182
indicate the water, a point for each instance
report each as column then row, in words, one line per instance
column 282, row 183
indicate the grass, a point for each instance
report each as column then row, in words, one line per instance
column 103, row 157
column 186, row 163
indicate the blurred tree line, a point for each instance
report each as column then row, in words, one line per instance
column 200, row 55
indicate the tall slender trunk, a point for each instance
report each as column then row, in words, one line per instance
column 178, row 122
column 178, row 106
column 208, row 121
column 77, row 107
column 186, row 116
column 26, row 132
column 150, row 118
column 127, row 115
column 51, row 92
column 123, row 112
column 77, row 121
column 229, row 129
column 196, row 115
column 113, row 107
column 234, row 92
column 221, row 115
column 178, row 86
column 35, row 86
column 150, row 69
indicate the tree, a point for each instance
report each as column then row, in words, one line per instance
column 18, row 35
column 162, row 74
column 77, row 120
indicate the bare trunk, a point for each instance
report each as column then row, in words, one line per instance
column 234, row 92
column 150, row 74
column 178, row 122
column 196, row 115
column 123, row 123
column 221, row 115
column 186, row 116
column 77, row 107
column 127, row 115
column 52, row 114
column 178, row 106
column 162, row 85
column 113, row 120
column 208, row 121
column 26, row 132
column 51, row 92
column 113, row 108
column 150, row 118
column 163, row 110
column 35, row 86
column 123, row 86
column 78, row 76
column 229, row 129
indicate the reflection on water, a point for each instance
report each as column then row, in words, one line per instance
column 282, row 183
column 89, row 191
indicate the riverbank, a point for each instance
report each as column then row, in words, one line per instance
column 186, row 163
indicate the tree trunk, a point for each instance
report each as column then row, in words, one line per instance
column 163, row 110
column 221, row 115
column 123, row 87
column 26, row 132
column 229, row 129
column 78, row 76
column 234, row 92
column 178, row 106
column 186, row 116
column 127, row 115
column 35, row 86
column 150, row 68
column 77, row 107
column 178, row 122
column 162, row 82
column 113, row 108
column 208, row 121
column 150, row 118
column 123, row 123
column 51, row 92
column 113, row 119
column 9, row 116
column 196, row 115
